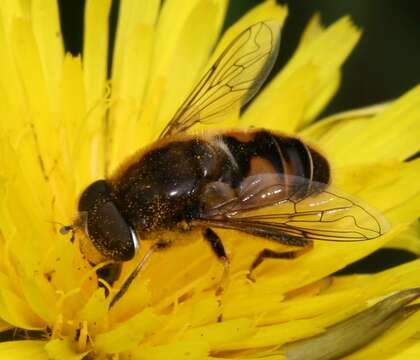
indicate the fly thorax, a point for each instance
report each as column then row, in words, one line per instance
column 162, row 188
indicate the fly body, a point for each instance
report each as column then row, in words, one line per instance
column 253, row 181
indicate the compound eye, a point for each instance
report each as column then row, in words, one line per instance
column 110, row 233
column 96, row 192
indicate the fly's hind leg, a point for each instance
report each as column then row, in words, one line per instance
column 218, row 249
column 305, row 245
column 217, row 246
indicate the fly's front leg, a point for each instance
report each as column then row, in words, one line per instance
column 217, row 246
column 305, row 245
column 156, row 247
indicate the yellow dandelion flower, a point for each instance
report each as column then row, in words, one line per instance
column 63, row 126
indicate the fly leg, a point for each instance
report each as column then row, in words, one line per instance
column 156, row 247
column 305, row 245
column 217, row 246
column 218, row 249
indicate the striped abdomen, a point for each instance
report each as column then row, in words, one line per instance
column 264, row 152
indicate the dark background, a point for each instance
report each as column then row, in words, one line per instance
column 384, row 65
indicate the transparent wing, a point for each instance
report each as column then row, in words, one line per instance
column 233, row 80
column 296, row 207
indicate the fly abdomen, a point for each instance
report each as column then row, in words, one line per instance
column 301, row 168
column 306, row 170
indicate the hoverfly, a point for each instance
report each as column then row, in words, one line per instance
column 257, row 181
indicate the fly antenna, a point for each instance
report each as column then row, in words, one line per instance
column 65, row 229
